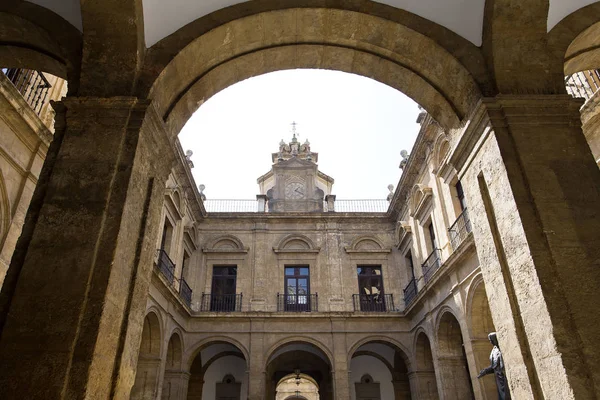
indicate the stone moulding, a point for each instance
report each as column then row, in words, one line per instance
column 296, row 244
column 366, row 244
column 423, row 200
column 403, row 233
column 225, row 244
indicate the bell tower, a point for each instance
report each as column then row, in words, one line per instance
column 294, row 183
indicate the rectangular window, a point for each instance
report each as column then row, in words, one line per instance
column 461, row 196
column 370, row 288
column 223, row 295
column 432, row 237
column 409, row 263
column 297, row 288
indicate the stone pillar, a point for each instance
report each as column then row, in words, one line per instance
column 341, row 364
column 455, row 378
column 261, row 200
column 423, row 384
column 257, row 378
column 146, row 379
column 533, row 190
column 330, row 200
column 401, row 388
column 175, row 385
column 72, row 307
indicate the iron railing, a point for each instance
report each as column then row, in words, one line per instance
column 32, row 85
column 373, row 302
column 185, row 292
column 431, row 264
column 221, row 302
column 460, row 229
column 165, row 265
column 410, row 292
column 298, row 302
column 583, row 84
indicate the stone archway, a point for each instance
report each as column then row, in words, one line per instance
column 379, row 369
column 481, row 324
column 218, row 369
column 424, row 375
column 175, row 378
column 452, row 360
column 299, row 358
column 148, row 366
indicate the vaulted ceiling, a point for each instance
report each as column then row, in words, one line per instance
column 161, row 17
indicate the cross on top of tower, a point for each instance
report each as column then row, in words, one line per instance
column 294, row 131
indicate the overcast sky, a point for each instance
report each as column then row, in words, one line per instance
column 357, row 125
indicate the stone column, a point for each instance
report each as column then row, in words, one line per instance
column 455, row 378
column 401, row 388
column 423, row 384
column 533, row 190
column 72, row 307
column 257, row 378
column 175, row 385
column 341, row 364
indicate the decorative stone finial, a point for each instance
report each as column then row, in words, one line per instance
column 201, row 188
column 404, row 154
column 391, row 194
column 188, row 158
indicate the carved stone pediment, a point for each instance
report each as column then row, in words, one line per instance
column 422, row 201
column 366, row 244
column 296, row 244
column 225, row 244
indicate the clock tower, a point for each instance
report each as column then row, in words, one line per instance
column 294, row 183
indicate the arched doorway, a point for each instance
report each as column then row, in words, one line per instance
column 297, row 386
column 299, row 359
column 174, row 381
column 145, row 386
column 454, row 370
column 481, row 325
column 218, row 371
column 424, row 375
column 379, row 370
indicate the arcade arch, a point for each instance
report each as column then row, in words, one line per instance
column 379, row 370
column 299, row 358
column 425, row 369
column 148, row 366
column 297, row 386
column 454, row 369
column 219, row 369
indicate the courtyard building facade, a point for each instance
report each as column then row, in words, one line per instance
column 120, row 281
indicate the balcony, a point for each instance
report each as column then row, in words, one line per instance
column 32, row 85
column 185, row 292
column 373, row 302
column 166, row 266
column 221, row 302
column 460, row 229
column 431, row 264
column 297, row 302
column 410, row 292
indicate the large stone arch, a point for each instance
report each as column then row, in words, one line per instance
column 331, row 39
column 575, row 40
column 33, row 37
column 197, row 347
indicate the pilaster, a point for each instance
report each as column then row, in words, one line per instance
column 73, row 307
column 533, row 190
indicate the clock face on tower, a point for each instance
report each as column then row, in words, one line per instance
column 294, row 191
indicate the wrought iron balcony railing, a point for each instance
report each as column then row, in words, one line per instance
column 221, row 302
column 373, row 302
column 166, row 266
column 185, row 292
column 431, row 264
column 410, row 292
column 460, row 229
column 32, row 85
column 298, row 302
